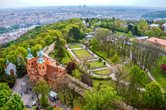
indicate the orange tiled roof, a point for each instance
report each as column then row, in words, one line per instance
column 157, row 40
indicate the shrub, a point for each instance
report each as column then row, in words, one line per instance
column 85, row 78
column 70, row 67
column 10, row 80
column 104, row 63
column 115, row 58
column 163, row 67
column 100, row 60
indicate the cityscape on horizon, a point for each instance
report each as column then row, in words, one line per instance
column 39, row 3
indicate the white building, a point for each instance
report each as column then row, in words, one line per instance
column 10, row 68
column 154, row 26
column 164, row 27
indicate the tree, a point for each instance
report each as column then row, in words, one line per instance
column 9, row 100
column 153, row 96
column 86, row 78
column 163, row 67
column 36, row 48
column 115, row 58
column 142, row 27
column 70, row 67
column 102, row 34
column 10, row 80
column 100, row 100
column 94, row 43
column 138, row 77
column 155, row 32
column 59, row 45
column 21, row 67
column 2, row 64
column 75, row 33
column 42, row 88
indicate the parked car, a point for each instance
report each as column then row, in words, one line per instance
column 53, row 96
column 34, row 103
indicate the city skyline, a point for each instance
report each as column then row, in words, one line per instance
column 40, row 3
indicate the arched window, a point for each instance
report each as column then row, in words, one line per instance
column 43, row 67
column 32, row 63
column 39, row 67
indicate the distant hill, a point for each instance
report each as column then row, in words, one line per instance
column 156, row 14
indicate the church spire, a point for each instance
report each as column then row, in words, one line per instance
column 40, row 59
column 30, row 56
column 7, row 62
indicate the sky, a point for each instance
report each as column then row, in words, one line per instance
column 36, row 3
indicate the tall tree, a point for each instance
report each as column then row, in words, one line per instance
column 100, row 100
column 153, row 96
column 75, row 33
column 42, row 88
column 9, row 100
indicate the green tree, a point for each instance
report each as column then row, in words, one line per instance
column 115, row 58
column 94, row 43
column 10, row 80
column 75, row 33
column 138, row 77
column 153, row 96
column 155, row 32
column 2, row 64
column 36, row 48
column 142, row 27
column 100, row 100
column 9, row 100
column 42, row 88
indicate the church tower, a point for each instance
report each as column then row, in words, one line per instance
column 41, row 65
column 30, row 60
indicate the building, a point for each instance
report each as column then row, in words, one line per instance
column 142, row 37
column 157, row 41
column 10, row 68
column 164, row 27
column 154, row 26
column 45, row 67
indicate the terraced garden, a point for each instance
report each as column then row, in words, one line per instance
column 75, row 46
column 82, row 53
column 96, row 64
column 103, row 72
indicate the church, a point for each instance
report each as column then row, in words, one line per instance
column 45, row 67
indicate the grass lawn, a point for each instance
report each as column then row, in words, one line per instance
column 74, row 46
column 66, row 59
column 103, row 72
column 96, row 83
column 82, row 53
column 96, row 64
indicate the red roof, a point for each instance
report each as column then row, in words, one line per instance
column 161, row 42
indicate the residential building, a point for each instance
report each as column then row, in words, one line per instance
column 154, row 26
column 164, row 27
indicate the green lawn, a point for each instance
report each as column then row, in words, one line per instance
column 96, row 83
column 103, row 72
column 96, row 64
column 66, row 59
column 82, row 53
column 74, row 46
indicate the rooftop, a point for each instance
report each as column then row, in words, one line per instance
column 157, row 41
